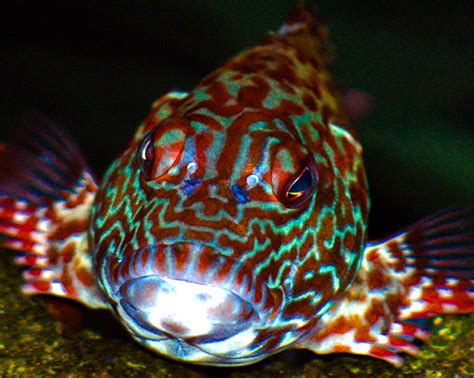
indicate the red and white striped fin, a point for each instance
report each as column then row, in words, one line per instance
column 365, row 321
column 424, row 271
column 46, row 192
column 434, row 261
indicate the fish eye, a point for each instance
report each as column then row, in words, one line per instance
column 146, row 155
column 160, row 150
column 301, row 188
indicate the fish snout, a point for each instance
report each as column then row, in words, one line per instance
column 184, row 291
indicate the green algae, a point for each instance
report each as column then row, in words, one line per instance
column 33, row 344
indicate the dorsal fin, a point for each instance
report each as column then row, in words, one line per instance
column 293, row 62
column 308, row 36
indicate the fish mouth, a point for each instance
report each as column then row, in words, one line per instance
column 190, row 303
column 213, row 353
column 187, row 321
column 186, row 310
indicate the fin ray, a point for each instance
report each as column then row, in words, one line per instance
column 41, row 162
column 46, row 191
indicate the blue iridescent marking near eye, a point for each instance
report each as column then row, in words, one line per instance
column 189, row 185
column 240, row 194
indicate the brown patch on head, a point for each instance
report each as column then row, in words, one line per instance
column 253, row 95
column 310, row 102
column 327, row 230
column 198, row 236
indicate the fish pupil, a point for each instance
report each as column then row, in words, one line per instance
column 146, row 155
column 303, row 183
column 300, row 189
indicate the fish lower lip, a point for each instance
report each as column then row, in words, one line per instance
column 140, row 329
column 185, row 310
column 185, row 351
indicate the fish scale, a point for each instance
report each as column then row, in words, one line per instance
column 234, row 225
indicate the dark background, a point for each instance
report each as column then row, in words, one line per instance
column 97, row 67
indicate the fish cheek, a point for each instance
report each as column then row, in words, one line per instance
column 316, row 275
column 340, row 236
column 330, row 246
column 109, row 219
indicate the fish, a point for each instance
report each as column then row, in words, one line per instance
column 234, row 225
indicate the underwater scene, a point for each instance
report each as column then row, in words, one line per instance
column 267, row 189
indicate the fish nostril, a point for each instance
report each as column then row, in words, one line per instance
column 240, row 194
column 189, row 185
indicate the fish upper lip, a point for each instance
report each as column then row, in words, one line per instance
column 117, row 285
column 117, row 276
column 184, row 276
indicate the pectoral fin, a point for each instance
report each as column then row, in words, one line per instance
column 424, row 271
column 46, row 192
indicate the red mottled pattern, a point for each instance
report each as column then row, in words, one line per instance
column 53, row 240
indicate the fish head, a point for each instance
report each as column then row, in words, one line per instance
column 237, row 216
column 216, row 246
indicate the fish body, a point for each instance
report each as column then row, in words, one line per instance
column 234, row 226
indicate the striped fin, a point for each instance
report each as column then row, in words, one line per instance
column 46, row 191
column 424, row 271
column 41, row 162
column 434, row 261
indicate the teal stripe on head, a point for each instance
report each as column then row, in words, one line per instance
column 332, row 272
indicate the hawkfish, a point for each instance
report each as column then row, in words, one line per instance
column 234, row 226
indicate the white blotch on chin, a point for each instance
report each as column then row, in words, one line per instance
column 185, row 309
column 187, row 304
